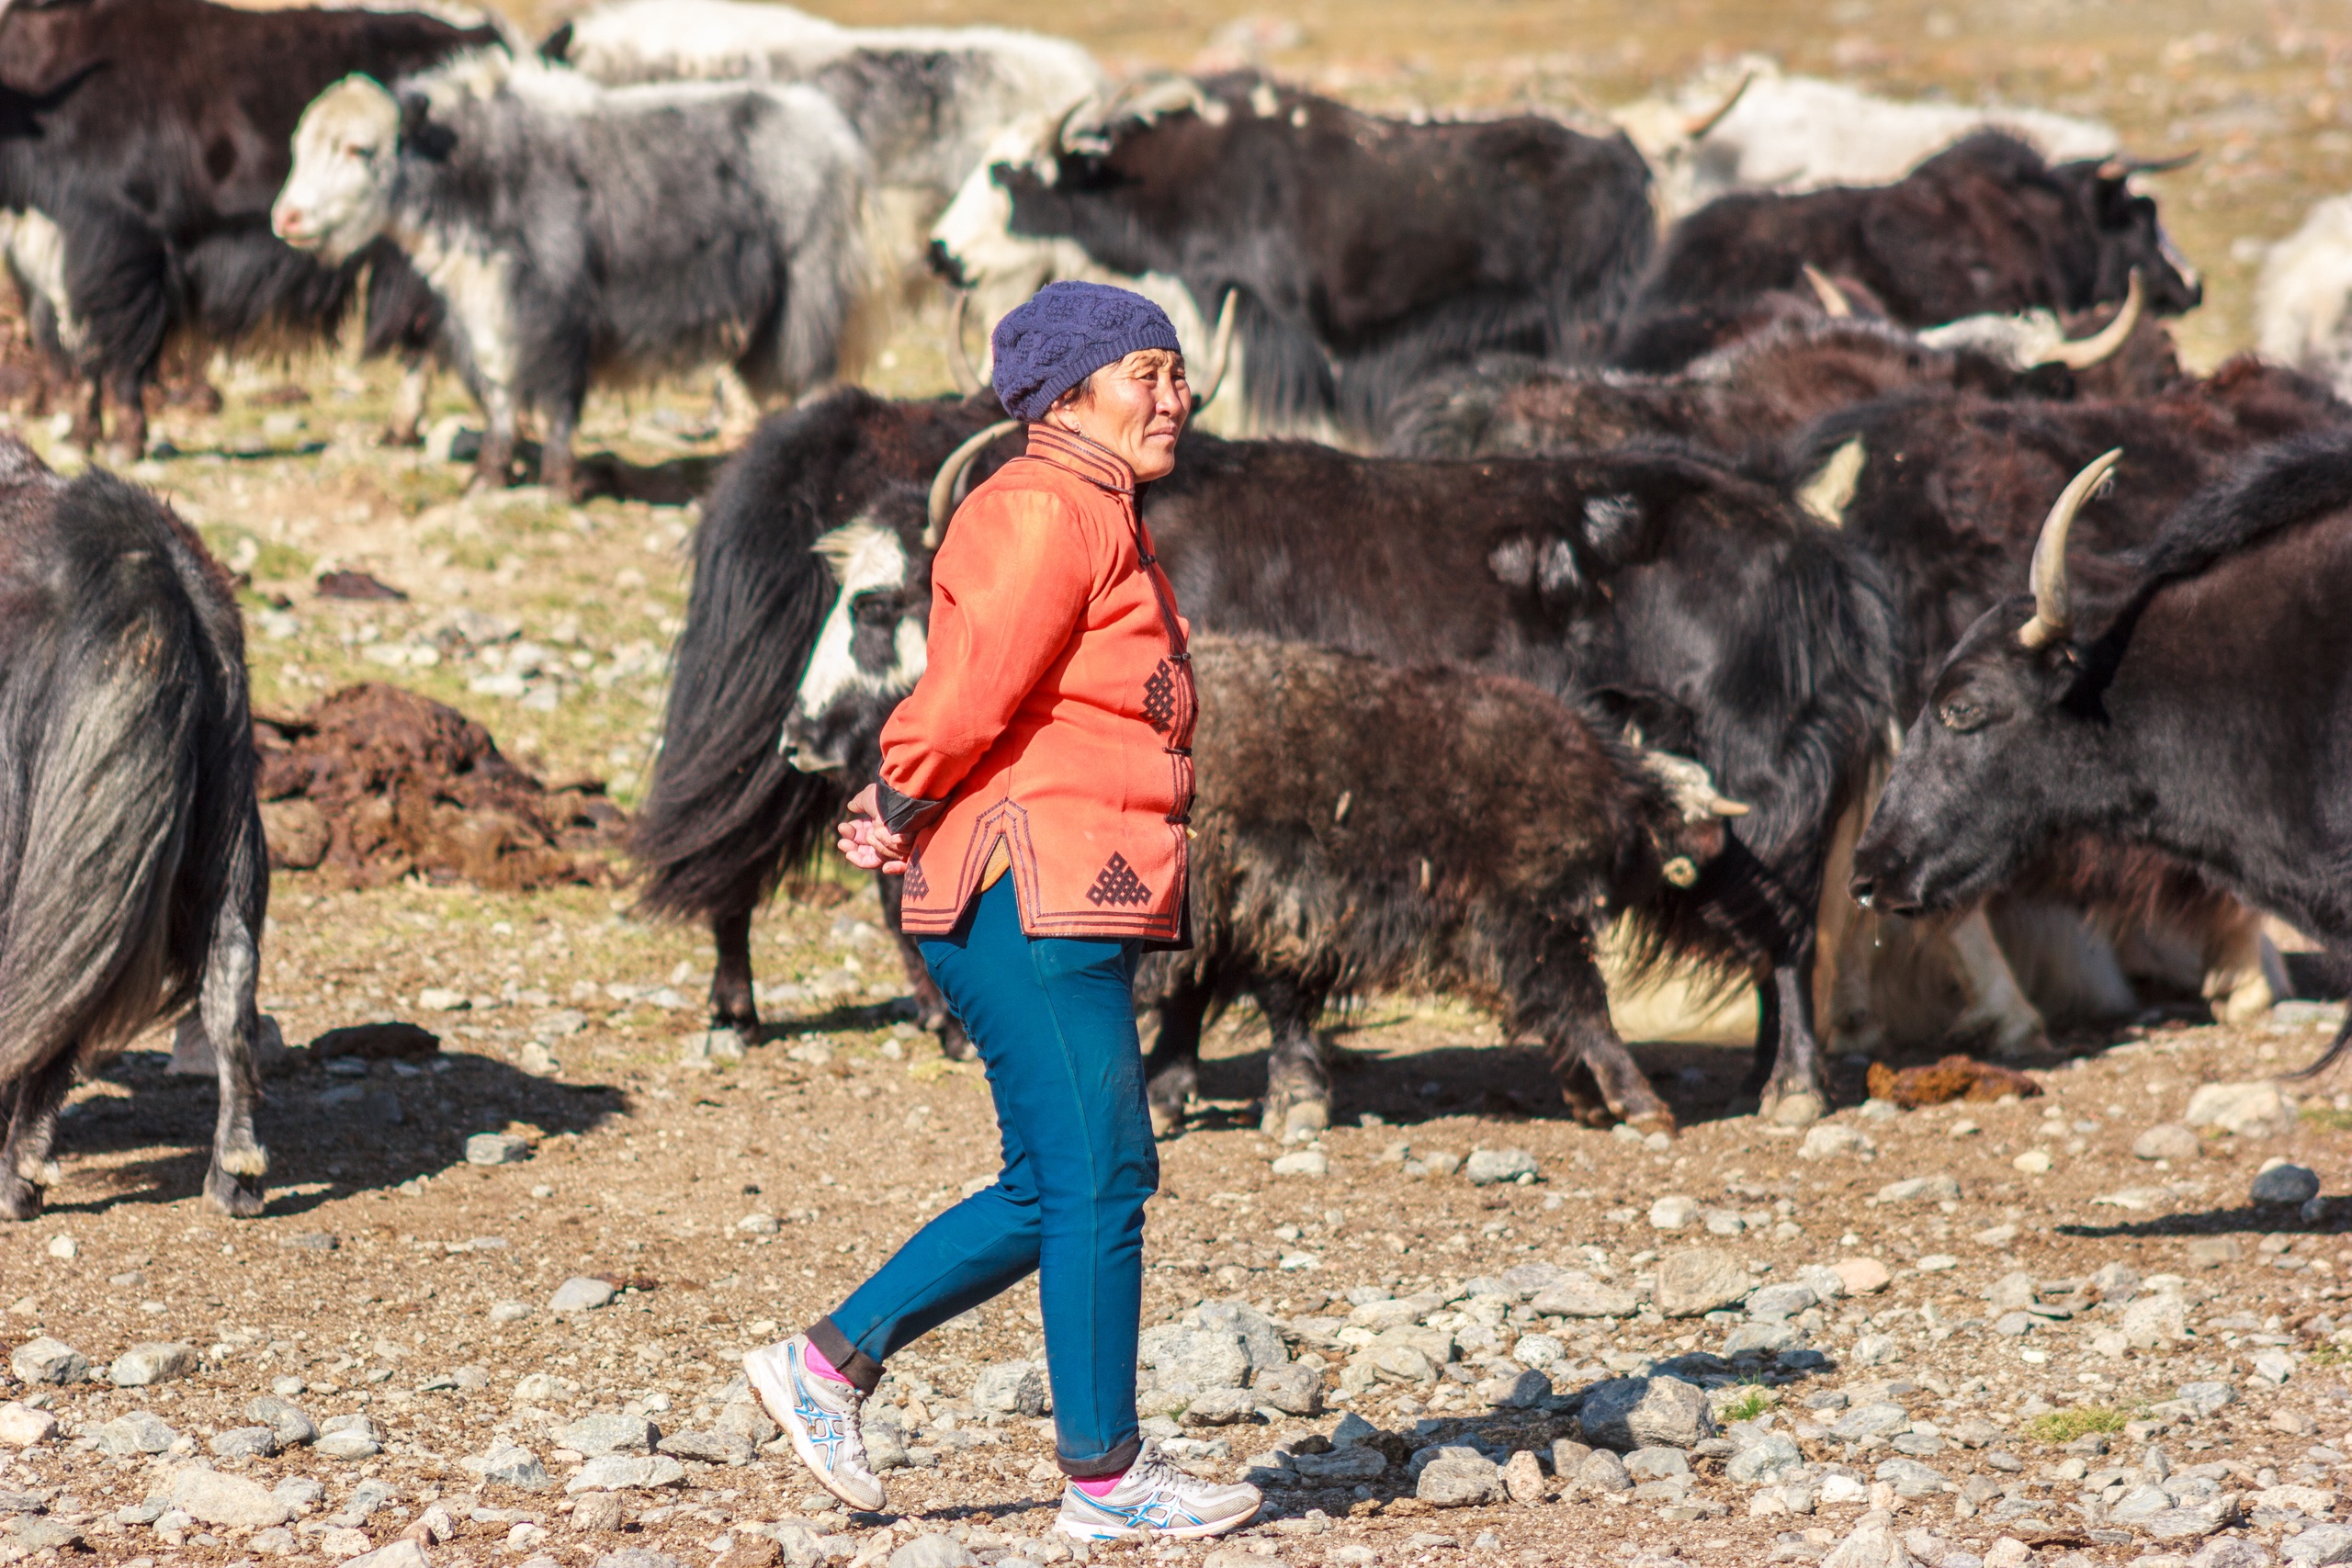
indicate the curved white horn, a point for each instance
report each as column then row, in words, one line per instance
column 1220, row 350
column 2053, row 603
column 1834, row 303
column 959, row 359
column 950, row 477
column 1697, row 126
column 1144, row 100
column 2103, row 344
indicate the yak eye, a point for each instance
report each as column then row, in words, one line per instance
column 364, row 154
column 875, row 609
column 1960, row 715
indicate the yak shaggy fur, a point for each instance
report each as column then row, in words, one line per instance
column 1986, row 226
column 2196, row 710
column 1365, row 828
column 584, row 234
column 1366, row 253
column 141, row 143
column 133, row 872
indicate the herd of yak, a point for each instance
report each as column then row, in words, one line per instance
column 1771, row 535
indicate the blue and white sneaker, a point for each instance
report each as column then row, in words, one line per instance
column 1156, row 1497
column 820, row 1417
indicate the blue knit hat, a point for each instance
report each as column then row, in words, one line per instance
column 1065, row 333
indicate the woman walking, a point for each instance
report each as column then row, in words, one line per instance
column 1033, row 789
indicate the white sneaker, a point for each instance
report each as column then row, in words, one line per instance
column 1156, row 1496
column 820, row 1417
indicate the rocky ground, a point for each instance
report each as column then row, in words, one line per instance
column 2088, row 1326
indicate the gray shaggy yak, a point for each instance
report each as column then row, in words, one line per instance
column 1365, row 828
column 577, row 233
column 133, row 877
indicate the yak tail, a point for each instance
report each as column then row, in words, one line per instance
column 727, row 817
column 95, row 813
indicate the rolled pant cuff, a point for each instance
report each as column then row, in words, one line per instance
column 1115, row 1462
column 862, row 1370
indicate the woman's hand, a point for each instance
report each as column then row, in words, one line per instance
column 869, row 845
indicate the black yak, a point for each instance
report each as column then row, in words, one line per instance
column 1985, row 226
column 2198, row 708
column 133, row 876
column 1365, row 828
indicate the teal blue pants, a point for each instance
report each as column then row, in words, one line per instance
column 1054, row 1021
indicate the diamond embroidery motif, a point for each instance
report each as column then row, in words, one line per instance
column 1118, row 883
column 1159, row 698
column 917, row 886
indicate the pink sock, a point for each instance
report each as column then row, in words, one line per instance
column 1098, row 1485
column 821, row 1367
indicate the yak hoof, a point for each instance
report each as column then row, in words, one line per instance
column 19, row 1199
column 1167, row 1121
column 955, row 1044
column 240, row 1198
column 1800, row 1108
column 1297, row 1120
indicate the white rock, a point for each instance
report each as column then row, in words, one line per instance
column 619, row 1472
column 61, row 1247
column 2166, row 1140
column 22, row 1426
column 1486, row 1167
column 509, row 1312
column 1303, row 1162
column 2034, row 1162
column 1827, row 1140
column 2250, row 1110
column 398, row 1554
column 155, row 1362
column 1872, row 1545
column 1673, row 1212
column 47, row 1360
column 759, row 1225
column 577, row 1294
column 1938, row 1188
column 497, row 1148
column 229, row 1500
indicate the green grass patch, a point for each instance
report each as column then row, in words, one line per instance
column 2065, row 1426
column 2329, row 1355
column 1752, row 1402
column 2327, row 1118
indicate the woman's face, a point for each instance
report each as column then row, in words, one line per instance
column 1137, row 408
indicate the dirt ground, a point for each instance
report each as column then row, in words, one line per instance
column 371, row 1282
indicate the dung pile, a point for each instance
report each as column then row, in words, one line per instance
column 374, row 782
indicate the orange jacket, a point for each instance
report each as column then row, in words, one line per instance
column 1054, row 712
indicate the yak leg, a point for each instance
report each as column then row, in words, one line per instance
column 2243, row 973
column 1173, row 1071
column 26, row 1169
column 90, row 428
column 1598, row 1078
column 410, row 400
column 1298, row 1084
column 233, row 1184
column 555, row 449
column 130, row 442
column 494, row 464
column 1797, row 1092
column 733, row 1002
column 930, row 1004
column 1997, row 1010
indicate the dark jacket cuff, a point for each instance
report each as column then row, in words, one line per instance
column 898, row 811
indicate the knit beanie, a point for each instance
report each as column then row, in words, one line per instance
column 1065, row 333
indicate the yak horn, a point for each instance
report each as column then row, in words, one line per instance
column 1834, row 303
column 950, row 478
column 2122, row 169
column 1697, row 126
column 2105, row 344
column 1142, row 100
column 1221, row 351
column 1690, row 786
column 2053, row 607
column 959, row 359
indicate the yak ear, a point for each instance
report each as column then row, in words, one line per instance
column 420, row 133
column 558, row 45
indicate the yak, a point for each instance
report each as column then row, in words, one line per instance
column 1986, row 226
column 1360, row 254
column 134, row 875
column 137, row 186
column 1748, row 400
column 2195, row 707
column 1682, row 599
column 577, row 233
